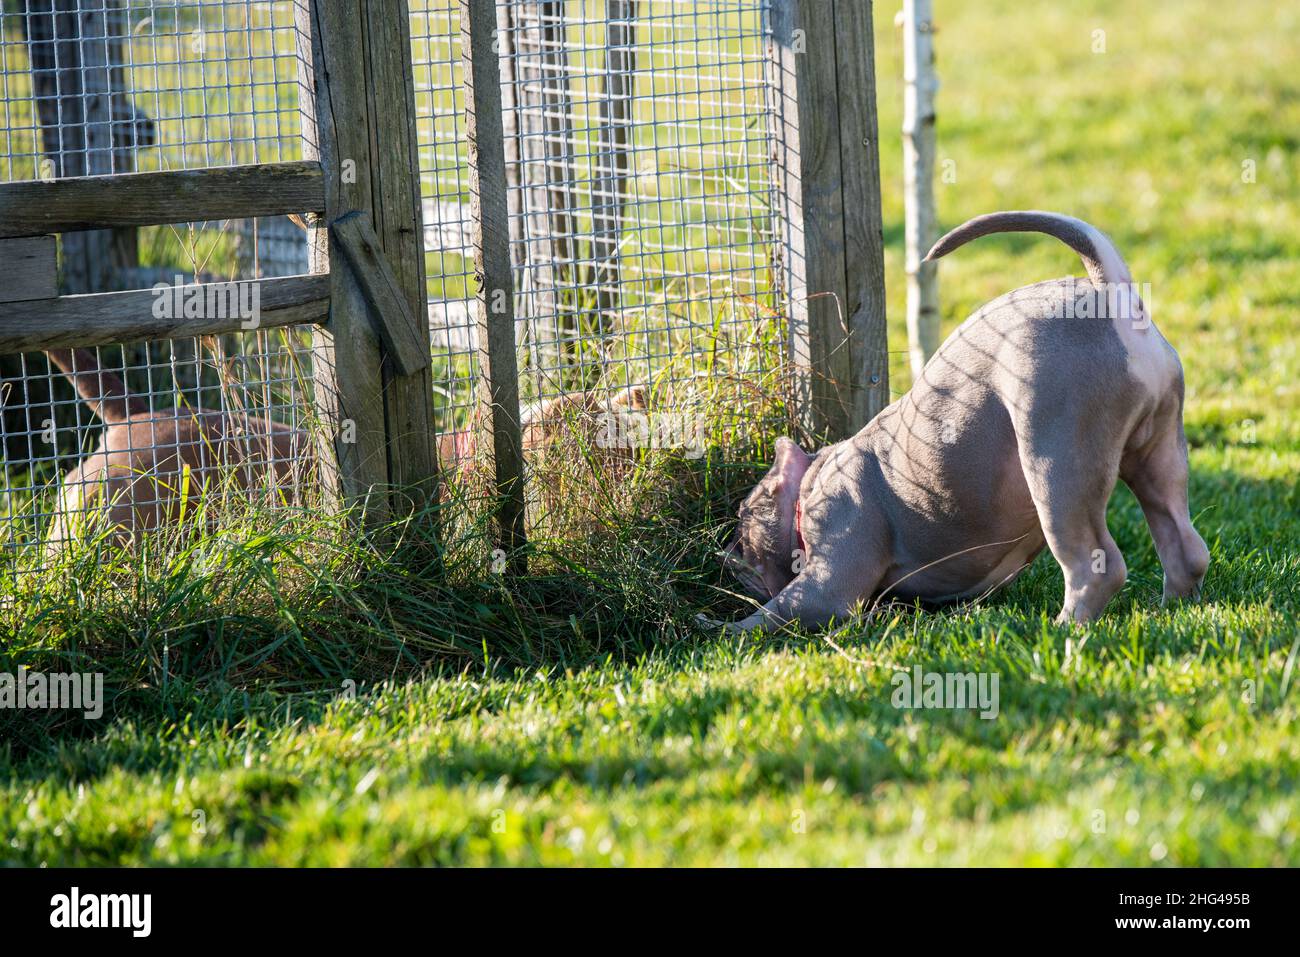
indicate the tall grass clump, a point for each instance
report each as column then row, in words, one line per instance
column 295, row 598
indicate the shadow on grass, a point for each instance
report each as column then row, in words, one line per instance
column 622, row 596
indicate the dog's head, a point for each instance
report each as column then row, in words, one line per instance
column 762, row 553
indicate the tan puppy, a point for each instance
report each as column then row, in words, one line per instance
column 152, row 468
column 149, row 466
column 1011, row 440
column 548, row 425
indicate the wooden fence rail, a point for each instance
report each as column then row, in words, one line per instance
column 145, row 199
column 104, row 318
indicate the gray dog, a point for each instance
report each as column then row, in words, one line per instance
column 1011, row 440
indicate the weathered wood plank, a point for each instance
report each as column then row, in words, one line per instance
column 396, row 211
column 346, row 352
column 100, row 319
column 173, row 196
column 29, row 268
column 864, row 244
column 359, row 121
column 828, row 156
column 389, row 309
column 498, row 363
column 334, row 456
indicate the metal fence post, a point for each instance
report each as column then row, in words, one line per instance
column 538, row 123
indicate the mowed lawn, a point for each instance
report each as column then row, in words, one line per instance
column 1156, row 736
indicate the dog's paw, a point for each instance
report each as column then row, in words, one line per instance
column 729, row 627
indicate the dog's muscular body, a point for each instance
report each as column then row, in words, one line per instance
column 1012, row 440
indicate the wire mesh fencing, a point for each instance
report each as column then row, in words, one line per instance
column 642, row 211
column 198, row 413
column 639, row 150
column 438, row 80
column 97, row 88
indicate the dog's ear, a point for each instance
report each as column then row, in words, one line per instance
column 790, row 464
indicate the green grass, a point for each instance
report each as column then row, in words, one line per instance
column 577, row 716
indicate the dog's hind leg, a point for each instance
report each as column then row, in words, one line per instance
column 1157, row 474
column 1070, row 478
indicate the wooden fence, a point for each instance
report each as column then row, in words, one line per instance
column 358, row 188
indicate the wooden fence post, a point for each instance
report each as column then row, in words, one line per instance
column 498, row 362
column 829, row 165
column 358, row 107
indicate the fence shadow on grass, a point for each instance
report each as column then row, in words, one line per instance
column 243, row 643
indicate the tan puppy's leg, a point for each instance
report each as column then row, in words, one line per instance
column 1157, row 474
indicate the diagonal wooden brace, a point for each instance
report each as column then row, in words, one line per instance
column 389, row 310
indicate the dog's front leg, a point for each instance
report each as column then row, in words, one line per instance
column 767, row 616
column 815, row 597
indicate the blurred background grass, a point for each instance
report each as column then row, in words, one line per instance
column 1147, row 141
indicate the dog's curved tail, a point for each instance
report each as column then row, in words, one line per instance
column 103, row 391
column 1099, row 255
